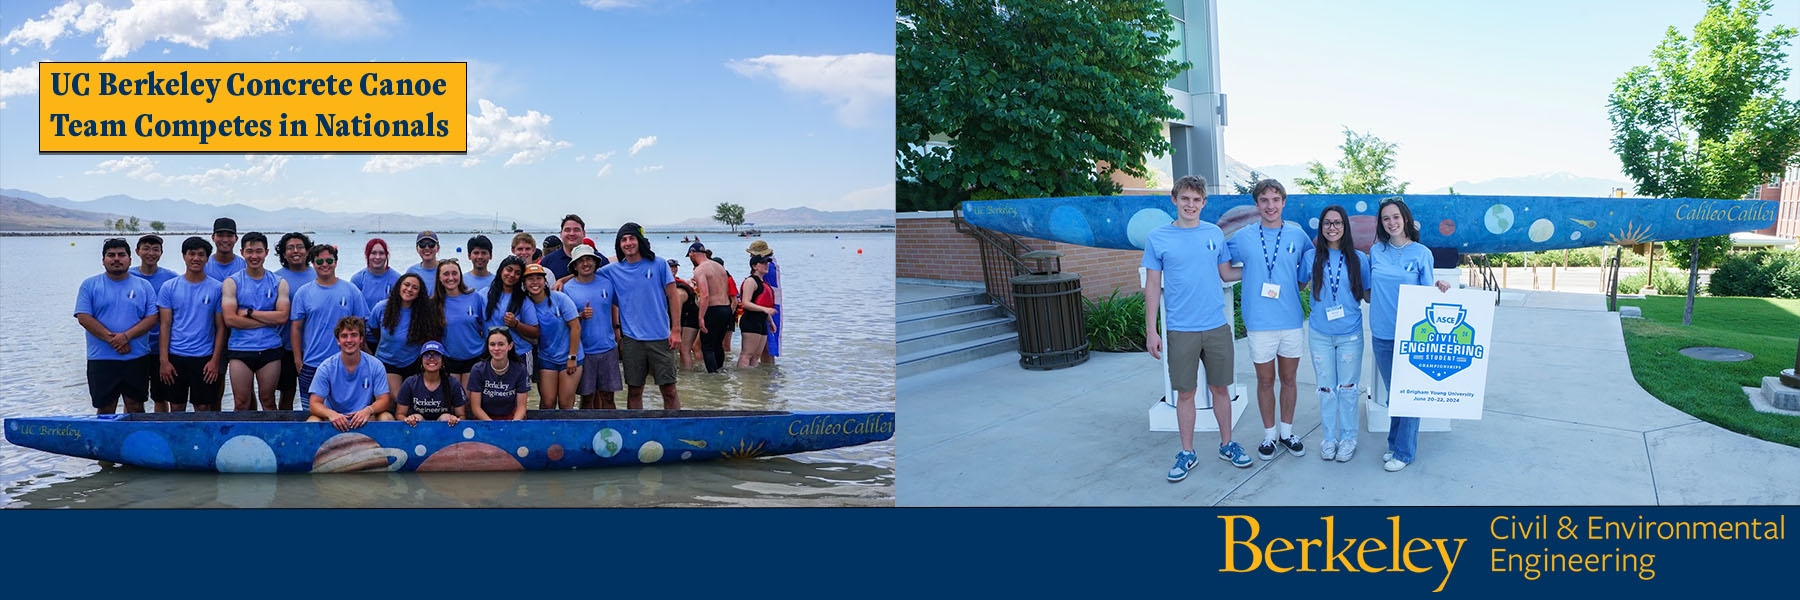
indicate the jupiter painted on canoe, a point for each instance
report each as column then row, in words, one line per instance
column 471, row 456
column 355, row 452
column 1470, row 224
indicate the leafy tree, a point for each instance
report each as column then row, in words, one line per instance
column 1040, row 98
column 1244, row 187
column 157, row 225
column 729, row 214
column 1706, row 118
column 108, row 223
column 134, row 224
column 1366, row 168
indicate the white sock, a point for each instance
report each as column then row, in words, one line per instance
column 1287, row 429
column 1269, row 434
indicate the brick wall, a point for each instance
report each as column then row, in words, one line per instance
column 927, row 246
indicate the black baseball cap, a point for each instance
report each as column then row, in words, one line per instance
column 225, row 224
column 696, row 247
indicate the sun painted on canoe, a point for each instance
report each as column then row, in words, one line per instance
column 745, row 450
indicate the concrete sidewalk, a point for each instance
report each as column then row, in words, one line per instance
column 1564, row 424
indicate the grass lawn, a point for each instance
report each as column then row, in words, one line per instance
column 1712, row 391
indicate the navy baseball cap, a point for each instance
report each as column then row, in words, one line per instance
column 432, row 346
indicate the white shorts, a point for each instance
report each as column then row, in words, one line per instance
column 1265, row 345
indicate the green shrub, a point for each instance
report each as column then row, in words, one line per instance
column 1760, row 274
column 1667, row 282
column 1115, row 323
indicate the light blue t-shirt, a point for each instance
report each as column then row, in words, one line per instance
column 1270, row 256
column 596, row 330
column 1391, row 268
column 260, row 295
column 118, row 305
column 478, row 282
column 375, row 288
column 527, row 315
column 1189, row 259
column 156, row 281
column 218, row 272
column 429, row 275
column 465, row 336
column 322, row 307
column 346, row 390
column 641, row 289
column 295, row 280
column 392, row 347
column 1334, row 290
column 554, row 314
column 192, row 309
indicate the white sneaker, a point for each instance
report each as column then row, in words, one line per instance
column 1393, row 465
column 1328, row 450
column 1346, row 450
column 1387, row 456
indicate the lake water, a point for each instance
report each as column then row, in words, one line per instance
column 837, row 355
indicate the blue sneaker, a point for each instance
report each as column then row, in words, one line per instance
column 1234, row 454
column 1183, row 461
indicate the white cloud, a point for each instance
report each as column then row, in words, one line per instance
column 522, row 139
column 611, row 4
column 395, row 163
column 198, row 23
column 262, row 169
column 640, row 144
column 604, row 171
column 601, row 157
column 857, row 84
column 21, row 81
column 881, row 196
column 648, row 170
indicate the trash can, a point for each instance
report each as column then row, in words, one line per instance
column 1052, row 321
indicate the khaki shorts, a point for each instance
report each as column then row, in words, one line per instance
column 641, row 358
column 1189, row 349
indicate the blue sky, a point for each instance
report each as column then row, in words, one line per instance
column 649, row 111
column 1470, row 91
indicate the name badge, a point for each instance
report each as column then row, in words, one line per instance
column 1334, row 313
column 1271, row 290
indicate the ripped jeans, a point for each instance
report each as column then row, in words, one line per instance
column 1337, row 365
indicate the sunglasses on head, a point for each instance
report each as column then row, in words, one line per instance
column 498, row 329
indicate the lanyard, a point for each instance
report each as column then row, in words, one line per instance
column 1335, row 274
column 1262, row 234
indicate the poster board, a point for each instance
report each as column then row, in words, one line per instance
column 1441, row 352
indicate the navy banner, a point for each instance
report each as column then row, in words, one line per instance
column 907, row 551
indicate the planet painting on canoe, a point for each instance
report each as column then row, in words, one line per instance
column 1446, row 227
column 608, row 442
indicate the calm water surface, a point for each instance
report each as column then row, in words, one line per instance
column 837, row 355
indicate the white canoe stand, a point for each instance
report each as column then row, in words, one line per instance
column 1162, row 411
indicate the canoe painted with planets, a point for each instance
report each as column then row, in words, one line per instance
column 283, row 442
column 1470, row 224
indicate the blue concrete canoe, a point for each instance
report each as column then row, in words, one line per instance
column 282, row 441
column 1469, row 224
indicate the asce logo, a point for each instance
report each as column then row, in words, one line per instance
column 1442, row 345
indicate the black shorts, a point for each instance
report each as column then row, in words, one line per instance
column 690, row 317
column 460, row 366
column 404, row 371
column 290, row 374
column 255, row 359
column 190, row 386
column 754, row 322
column 110, row 379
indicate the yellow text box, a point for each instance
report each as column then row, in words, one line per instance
column 239, row 107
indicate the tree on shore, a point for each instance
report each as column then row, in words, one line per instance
column 1706, row 118
column 157, row 225
column 1367, row 167
column 729, row 214
column 1016, row 99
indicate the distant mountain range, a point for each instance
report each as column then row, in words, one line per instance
column 27, row 211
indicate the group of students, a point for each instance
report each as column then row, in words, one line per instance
column 1188, row 261
column 463, row 346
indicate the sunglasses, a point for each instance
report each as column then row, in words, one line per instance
column 432, row 356
column 324, row 261
column 427, row 244
column 498, row 329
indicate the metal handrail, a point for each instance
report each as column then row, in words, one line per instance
column 1000, row 260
